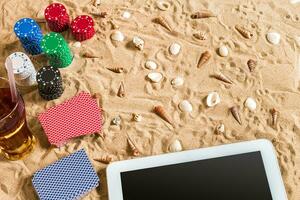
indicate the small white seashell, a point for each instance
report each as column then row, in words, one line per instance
column 126, row 15
column 77, row 44
column 273, row 37
column 163, row 5
column 175, row 48
column 155, row 77
column 250, row 103
column 178, row 81
column 213, row 99
column 97, row 2
column 223, row 51
column 220, row 128
column 137, row 117
column 138, row 42
column 294, row 1
column 185, row 106
column 117, row 36
column 150, row 65
column 175, row 146
column 116, row 121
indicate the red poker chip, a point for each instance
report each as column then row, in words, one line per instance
column 57, row 17
column 82, row 27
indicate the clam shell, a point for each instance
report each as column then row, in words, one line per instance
column 175, row 146
column 251, row 64
column 126, row 15
column 117, row 36
column 121, row 91
column 223, row 51
column 155, row 77
column 163, row 22
column 163, row 5
column 250, row 103
column 77, row 44
column 212, row 99
column 149, row 64
column 138, row 42
column 273, row 37
column 204, row 58
column 235, row 113
column 178, row 81
column 185, row 106
column 160, row 111
column 175, row 48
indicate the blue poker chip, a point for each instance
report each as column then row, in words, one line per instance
column 69, row 178
column 26, row 27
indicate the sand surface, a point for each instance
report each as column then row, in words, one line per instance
column 273, row 84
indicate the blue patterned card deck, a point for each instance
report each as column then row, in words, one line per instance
column 67, row 179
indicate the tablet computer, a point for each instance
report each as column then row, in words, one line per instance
column 246, row 170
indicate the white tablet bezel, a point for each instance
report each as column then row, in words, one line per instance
column 264, row 146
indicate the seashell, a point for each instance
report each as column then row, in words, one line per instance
column 220, row 129
column 150, row 65
column 235, row 112
column 273, row 37
column 244, row 32
column 138, row 43
column 163, row 22
column 137, row 117
column 222, row 77
column 204, row 58
column 175, row 146
column 202, row 14
column 117, row 69
column 133, row 148
column 185, row 106
column 155, row 77
column 126, row 15
column 223, row 51
column 275, row 115
column 117, row 36
column 212, row 99
column 116, row 121
column 251, row 64
column 160, row 111
column 175, row 48
column 89, row 55
column 97, row 2
column 250, row 103
column 115, row 26
column 178, row 81
column 77, row 44
column 163, row 5
column 121, row 91
column 200, row 36
column 99, row 14
column 104, row 159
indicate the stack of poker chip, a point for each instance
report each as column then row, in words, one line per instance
column 82, row 27
column 49, row 83
column 30, row 35
column 57, row 17
column 23, row 69
column 57, row 50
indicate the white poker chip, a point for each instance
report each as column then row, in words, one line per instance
column 22, row 65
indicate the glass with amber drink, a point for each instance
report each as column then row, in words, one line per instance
column 16, row 140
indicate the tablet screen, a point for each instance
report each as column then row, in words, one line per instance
column 226, row 178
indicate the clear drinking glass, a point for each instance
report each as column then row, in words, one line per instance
column 16, row 141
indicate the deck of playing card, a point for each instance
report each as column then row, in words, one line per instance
column 69, row 178
column 77, row 116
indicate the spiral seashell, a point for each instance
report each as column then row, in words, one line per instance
column 275, row 115
column 200, row 36
column 104, row 159
column 137, row 117
column 99, row 14
column 235, row 113
column 121, row 91
column 202, row 14
column 220, row 129
column 163, row 22
column 133, row 148
column 244, row 32
column 89, row 55
column 222, row 77
column 117, row 70
column 160, row 111
column 251, row 64
column 204, row 58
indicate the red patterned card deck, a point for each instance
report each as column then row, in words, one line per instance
column 77, row 116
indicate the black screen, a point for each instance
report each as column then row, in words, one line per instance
column 238, row 177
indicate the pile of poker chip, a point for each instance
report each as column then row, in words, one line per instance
column 57, row 50
column 29, row 33
column 82, row 27
column 57, row 17
column 50, row 83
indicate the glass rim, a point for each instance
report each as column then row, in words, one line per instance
column 17, row 103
